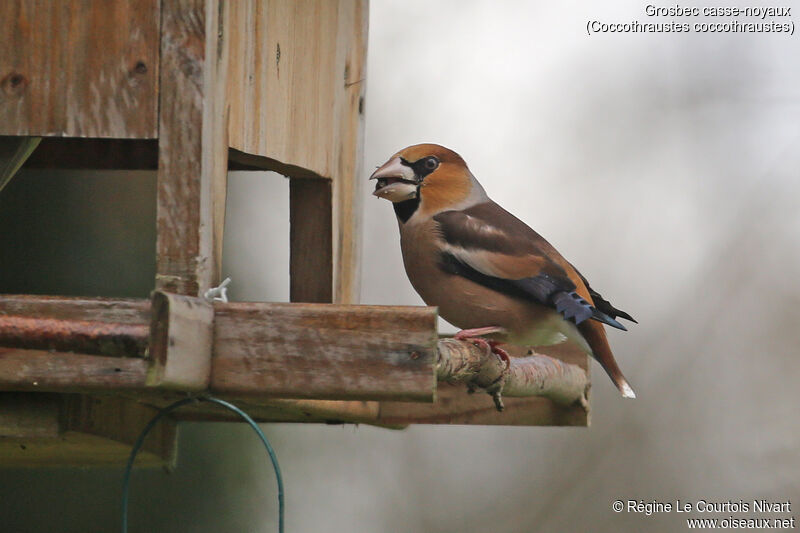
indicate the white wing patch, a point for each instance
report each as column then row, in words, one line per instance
column 480, row 260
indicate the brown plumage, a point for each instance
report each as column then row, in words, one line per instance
column 485, row 268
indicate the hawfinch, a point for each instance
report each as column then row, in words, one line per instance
column 486, row 270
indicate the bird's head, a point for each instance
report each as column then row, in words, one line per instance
column 435, row 176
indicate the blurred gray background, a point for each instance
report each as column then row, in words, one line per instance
column 666, row 167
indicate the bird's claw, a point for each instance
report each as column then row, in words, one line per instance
column 495, row 389
column 497, row 396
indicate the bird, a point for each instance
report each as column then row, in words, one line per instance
column 488, row 272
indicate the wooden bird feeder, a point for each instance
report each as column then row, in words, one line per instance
column 192, row 89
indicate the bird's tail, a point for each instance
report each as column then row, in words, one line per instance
column 595, row 336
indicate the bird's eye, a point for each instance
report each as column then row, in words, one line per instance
column 431, row 163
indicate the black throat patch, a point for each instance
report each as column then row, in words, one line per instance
column 405, row 209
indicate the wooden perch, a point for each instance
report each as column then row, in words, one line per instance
column 535, row 375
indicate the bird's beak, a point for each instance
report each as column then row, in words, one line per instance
column 396, row 182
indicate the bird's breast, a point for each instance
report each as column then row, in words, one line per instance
column 467, row 304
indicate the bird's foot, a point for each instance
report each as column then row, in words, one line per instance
column 492, row 346
column 495, row 389
column 471, row 335
column 501, row 353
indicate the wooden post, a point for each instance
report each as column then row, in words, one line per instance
column 310, row 240
column 193, row 149
column 181, row 335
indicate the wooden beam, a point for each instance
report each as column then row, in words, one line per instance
column 310, row 241
column 261, row 410
column 47, row 430
column 192, row 155
column 79, row 68
column 348, row 175
column 455, row 406
column 181, row 336
column 324, row 351
column 31, row 370
column 130, row 311
column 98, row 326
column 238, row 160
column 311, row 351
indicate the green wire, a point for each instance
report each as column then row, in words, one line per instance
column 180, row 403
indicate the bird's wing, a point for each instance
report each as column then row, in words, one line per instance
column 488, row 245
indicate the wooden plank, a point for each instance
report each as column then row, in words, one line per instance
column 98, row 326
column 298, row 103
column 455, row 406
column 39, row 370
column 120, row 310
column 324, row 351
column 348, row 176
column 121, row 420
column 290, row 80
column 46, row 430
column 192, row 163
column 261, row 410
column 79, row 68
column 25, row 415
column 310, row 241
column 181, row 335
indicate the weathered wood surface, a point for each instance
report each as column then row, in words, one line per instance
column 98, row 326
column 45, row 430
column 192, row 159
column 324, row 351
column 115, row 310
column 455, row 406
column 293, row 71
column 310, row 241
column 32, row 370
column 348, row 176
column 296, row 89
column 273, row 410
column 79, row 68
column 263, row 352
column 181, row 336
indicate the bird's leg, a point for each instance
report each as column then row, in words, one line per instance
column 471, row 335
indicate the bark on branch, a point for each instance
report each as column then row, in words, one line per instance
column 535, row 375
